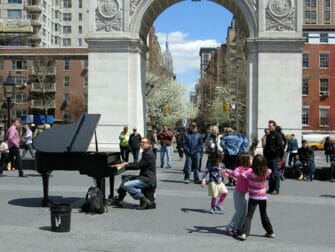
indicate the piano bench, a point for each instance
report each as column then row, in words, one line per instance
column 149, row 193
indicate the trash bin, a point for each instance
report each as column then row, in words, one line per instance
column 60, row 217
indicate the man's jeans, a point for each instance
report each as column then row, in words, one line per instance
column 310, row 165
column 166, row 149
column 192, row 163
column 133, row 187
column 274, row 181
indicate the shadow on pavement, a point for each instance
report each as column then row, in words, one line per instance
column 37, row 202
column 327, row 196
column 206, row 211
column 172, row 181
column 208, row 230
column 45, row 228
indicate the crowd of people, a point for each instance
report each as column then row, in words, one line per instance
column 18, row 137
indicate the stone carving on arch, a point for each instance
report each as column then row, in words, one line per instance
column 108, row 15
column 133, row 5
column 280, row 15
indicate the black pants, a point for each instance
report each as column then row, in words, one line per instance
column 124, row 153
column 252, row 204
column 13, row 152
column 291, row 157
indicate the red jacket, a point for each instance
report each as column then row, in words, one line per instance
column 165, row 137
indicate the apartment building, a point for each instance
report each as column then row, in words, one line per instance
column 44, row 23
column 66, row 87
column 318, row 61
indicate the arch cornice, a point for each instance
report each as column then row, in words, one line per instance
column 147, row 11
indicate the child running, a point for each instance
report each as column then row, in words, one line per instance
column 240, row 194
column 216, row 187
column 257, row 193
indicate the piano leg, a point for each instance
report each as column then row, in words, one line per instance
column 46, row 202
column 111, row 187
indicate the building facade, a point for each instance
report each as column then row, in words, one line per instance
column 318, row 84
column 66, row 87
column 44, row 23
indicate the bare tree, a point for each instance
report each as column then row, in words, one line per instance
column 42, row 79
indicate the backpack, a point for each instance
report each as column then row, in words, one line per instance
column 94, row 202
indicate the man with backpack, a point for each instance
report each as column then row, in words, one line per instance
column 147, row 178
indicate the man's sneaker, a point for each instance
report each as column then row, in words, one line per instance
column 243, row 237
column 270, row 235
column 212, row 211
column 186, row 181
column 301, row 177
column 217, row 207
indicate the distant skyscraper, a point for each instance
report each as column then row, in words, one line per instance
column 167, row 57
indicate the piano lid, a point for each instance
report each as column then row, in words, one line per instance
column 73, row 137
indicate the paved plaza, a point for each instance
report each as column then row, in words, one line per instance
column 302, row 216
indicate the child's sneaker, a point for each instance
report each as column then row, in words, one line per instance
column 217, row 207
column 212, row 211
column 270, row 235
column 231, row 231
column 243, row 237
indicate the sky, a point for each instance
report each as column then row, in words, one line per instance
column 190, row 26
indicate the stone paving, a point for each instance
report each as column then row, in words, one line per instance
column 302, row 216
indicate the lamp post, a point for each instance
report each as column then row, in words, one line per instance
column 9, row 91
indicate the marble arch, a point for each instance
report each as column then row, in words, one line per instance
column 117, row 51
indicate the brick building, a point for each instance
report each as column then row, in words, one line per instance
column 68, row 90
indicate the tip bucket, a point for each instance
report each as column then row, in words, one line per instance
column 60, row 217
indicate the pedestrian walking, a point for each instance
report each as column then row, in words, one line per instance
column 165, row 139
column 28, row 142
column 292, row 149
column 192, row 147
column 179, row 140
column 240, row 195
column 273, row 150
column 327, row 146
column 257, row 177
column 154, row 141
column 134, row 144
column 216, row 188
column 13, row 137
column 124, row 144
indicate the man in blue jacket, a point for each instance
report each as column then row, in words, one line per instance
column 192, row 148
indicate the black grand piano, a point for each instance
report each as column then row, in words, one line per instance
column 65, row 148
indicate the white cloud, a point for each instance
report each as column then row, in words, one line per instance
column 185, row 52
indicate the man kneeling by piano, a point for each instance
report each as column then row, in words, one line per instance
column 147, row 179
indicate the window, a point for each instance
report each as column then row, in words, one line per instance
column 323, row 60
column 327, row 3
column 66, row 98
column 324, row 37
column 19, row 81
column 20, row 98
column 66, row 42
column 66, row 29
column 305, row 86
column 80, row 42
column 80, row 4
column 80, row 29
column 66, row 64
column 305, row 116
column 324, row 87
column 327, row 16
column 305, row 35
column 67, row 3
column 19, row 65
column 19, row 113
column 324, row 117
column 1, row 65
column 67, row 17
column 66, row 81
column 14, row 14
column 80, row 17
column 305, row 60
column 14, row 1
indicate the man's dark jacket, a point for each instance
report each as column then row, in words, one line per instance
column 192, row 143
column 147, row 167
column 273, row 146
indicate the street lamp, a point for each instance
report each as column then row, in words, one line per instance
column 9, row 91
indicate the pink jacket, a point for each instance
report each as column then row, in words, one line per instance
column 242, row 182
column 13, row 137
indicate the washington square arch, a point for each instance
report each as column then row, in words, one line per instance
column 117, row 50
